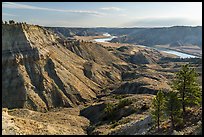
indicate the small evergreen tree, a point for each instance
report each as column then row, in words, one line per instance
column 158, row 107
column 173, row 107
column 187, row 86
column 11, row 22
column 109, row 110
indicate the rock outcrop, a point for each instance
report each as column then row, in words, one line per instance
column 139, row 127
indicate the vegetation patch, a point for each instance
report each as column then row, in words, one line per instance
column 112, row 110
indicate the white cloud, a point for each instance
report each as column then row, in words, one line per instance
column 123, row 15
column 23, row 6
column 162, row 21
column 112, row 8
column 8, row 14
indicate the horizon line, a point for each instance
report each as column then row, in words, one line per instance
column 108, row 27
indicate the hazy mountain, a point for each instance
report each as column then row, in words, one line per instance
column 175, row 36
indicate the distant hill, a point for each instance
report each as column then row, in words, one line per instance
column 70, row 32
column 174, row 36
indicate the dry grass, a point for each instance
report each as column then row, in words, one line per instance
column 62, row 121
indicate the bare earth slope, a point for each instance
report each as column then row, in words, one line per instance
column 27, row 122
column 39, row 73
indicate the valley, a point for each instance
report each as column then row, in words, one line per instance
column 181, row 51
column 70, row 84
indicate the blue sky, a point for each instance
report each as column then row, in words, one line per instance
column 105, row 14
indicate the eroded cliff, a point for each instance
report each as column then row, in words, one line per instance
column 39, row 73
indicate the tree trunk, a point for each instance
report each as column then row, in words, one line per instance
column 183, row 99
column 172, row 122
column 158, row 123
column 184, row 108
column 183, row 103
column 158, row 118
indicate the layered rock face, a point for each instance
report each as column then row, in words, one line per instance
column 102, row 67
column 39, row 73
column 41, row 70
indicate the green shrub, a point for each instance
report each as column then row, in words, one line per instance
column 109, row 110
column 119, row 96
column 124, row 102
column 114, row 124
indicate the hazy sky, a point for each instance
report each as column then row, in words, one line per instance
column 105, row 14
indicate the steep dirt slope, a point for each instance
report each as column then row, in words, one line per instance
column 39, row 73
column 102, row 66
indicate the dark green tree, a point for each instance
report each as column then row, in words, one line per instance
column 109, row 110
column 173, row 107
column 158, row 108
column 11, row 22
column 186, row 84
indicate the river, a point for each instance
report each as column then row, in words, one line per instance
column 180, row 54
column 105, row 39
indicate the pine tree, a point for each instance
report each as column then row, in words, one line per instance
column 173, row 107
column 158, row 107
column 187, row 86
column 11, row 22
